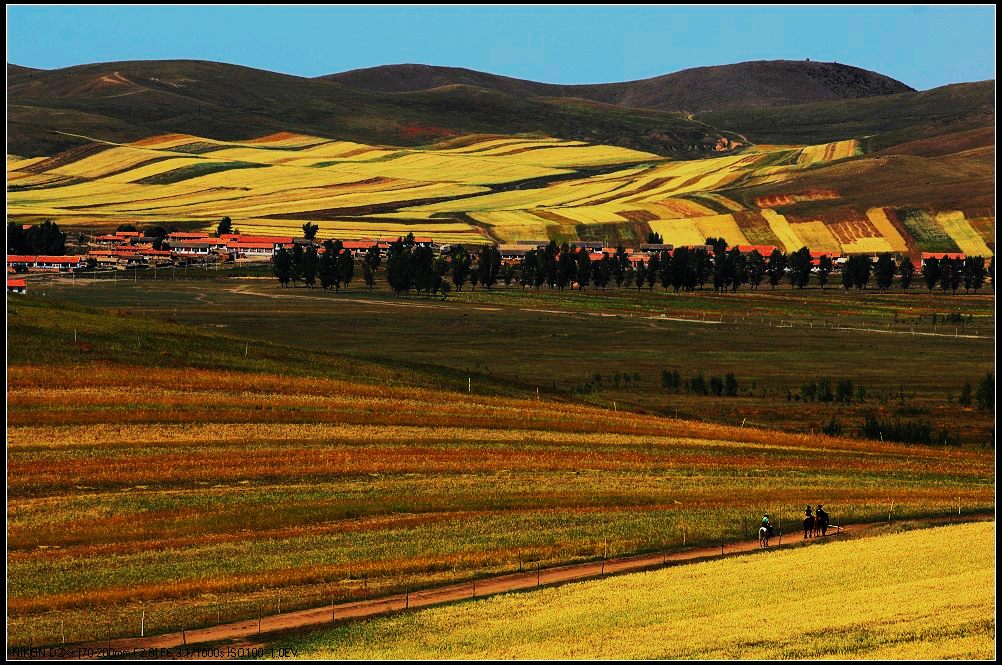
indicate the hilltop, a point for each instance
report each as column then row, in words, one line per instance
column 764, row 83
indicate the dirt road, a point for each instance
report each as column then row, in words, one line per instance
column 527, row 579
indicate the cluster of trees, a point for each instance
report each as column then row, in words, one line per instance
column 671, row 381
column 617, row 380
column 921, row 432
column 822, row 389
column 951, row 273
column 45, row 239
column 486, row 272
column 409, row 266
column 334, row 267
column 983, row 397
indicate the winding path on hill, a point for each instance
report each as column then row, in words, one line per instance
column 519, row 581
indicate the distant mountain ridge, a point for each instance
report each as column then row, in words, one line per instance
column 755, row 84
column 49, row 111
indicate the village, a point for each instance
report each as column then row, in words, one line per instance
column 132, row 250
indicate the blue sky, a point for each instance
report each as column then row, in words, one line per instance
column 922, row 46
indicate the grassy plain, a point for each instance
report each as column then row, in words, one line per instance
column 909, row 595
column 214, row 471
column 557, row 342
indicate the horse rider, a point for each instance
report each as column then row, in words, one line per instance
column 808, row 522
column 822, row 518
column 767, row 524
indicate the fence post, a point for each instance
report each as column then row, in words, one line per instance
column 142, row 624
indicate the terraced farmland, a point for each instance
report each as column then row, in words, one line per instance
column 162, row 471
column 475, row 188
column 912, row 595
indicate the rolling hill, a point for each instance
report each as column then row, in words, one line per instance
column 48, row 111
column 766, row 83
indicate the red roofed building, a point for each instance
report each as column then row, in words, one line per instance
column 251, row 249
column 20, row 261
column 17, row 285
column 61, row 263
column 188, row 235
column 956, row 256
column 816, row 257
column 358, row 247
column 764, row 250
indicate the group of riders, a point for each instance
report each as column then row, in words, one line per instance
column 816, row 524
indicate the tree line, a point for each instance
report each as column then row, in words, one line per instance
column 410, row 267
column 726, row 386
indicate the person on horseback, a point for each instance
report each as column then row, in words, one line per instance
column 767, row 524
column 808, row 523
column 823, row 520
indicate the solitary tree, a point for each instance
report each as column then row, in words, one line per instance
column 984, row 395
column 310, row 265
column 583, row 273
column 776, row 267
column 460, row 261
column 799, row 264
column 930, row 272
column 310, row 230
column 756, row 269
column 907, row 271
column 966, row 395
column 368, row 274
column 345, row 267
column 825, row 267
column 224, row 227
column 884, row 272
column 282, row 265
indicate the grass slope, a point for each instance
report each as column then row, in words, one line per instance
column 918, row 594
column 160, row 468
column 889, row 119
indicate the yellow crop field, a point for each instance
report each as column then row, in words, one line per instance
column 878, row 217
column 469, row 189
column 827, row 152
column 816, row 235
column 783, row 230
column 958, row 228
column 721, row 226
column 916, row 594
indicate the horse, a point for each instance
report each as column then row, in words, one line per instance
column 809, row 523
column 763, row 536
